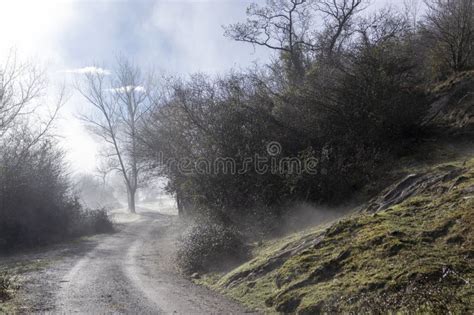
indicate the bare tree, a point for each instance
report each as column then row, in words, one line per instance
column 382, row 26
column 23, row 115
column 282, row 25
column 290, row 27
column 338, row 15
column 20, row 84
column 450, row 23
column 119, row 102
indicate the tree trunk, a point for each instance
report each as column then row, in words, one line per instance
column 131, row 200
column 180, row 204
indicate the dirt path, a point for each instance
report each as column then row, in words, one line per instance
column 131, row 272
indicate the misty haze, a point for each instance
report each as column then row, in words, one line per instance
column 237, row 157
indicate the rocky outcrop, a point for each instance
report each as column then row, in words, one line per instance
column 413, row 184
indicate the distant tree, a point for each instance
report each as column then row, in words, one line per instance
column 119, row 103
column 412, row 10
column 94, row 192
column 449, row 26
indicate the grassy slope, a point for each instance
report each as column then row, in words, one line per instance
column 417, row 254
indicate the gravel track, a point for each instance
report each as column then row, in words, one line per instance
column 128, row 272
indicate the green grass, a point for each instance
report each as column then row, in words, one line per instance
column 417, row 255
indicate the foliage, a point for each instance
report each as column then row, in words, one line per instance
column 36, row 203
column 88, row 222
column 37, row 206
column 350, row 113
column 210, row 245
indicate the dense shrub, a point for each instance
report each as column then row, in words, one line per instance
column 351, row 97
column 88, row 222
column 36, row 203
column 350, row 127
column 209, row 245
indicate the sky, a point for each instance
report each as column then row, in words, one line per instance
column 174, row 36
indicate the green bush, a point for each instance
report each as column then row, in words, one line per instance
column 89, row 222
column 101, row 221
column 211, row 246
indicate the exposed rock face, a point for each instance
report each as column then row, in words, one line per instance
column 411, row 185
column 275, row 261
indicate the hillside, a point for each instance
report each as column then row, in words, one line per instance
column 409, row 248
column 412, row 248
